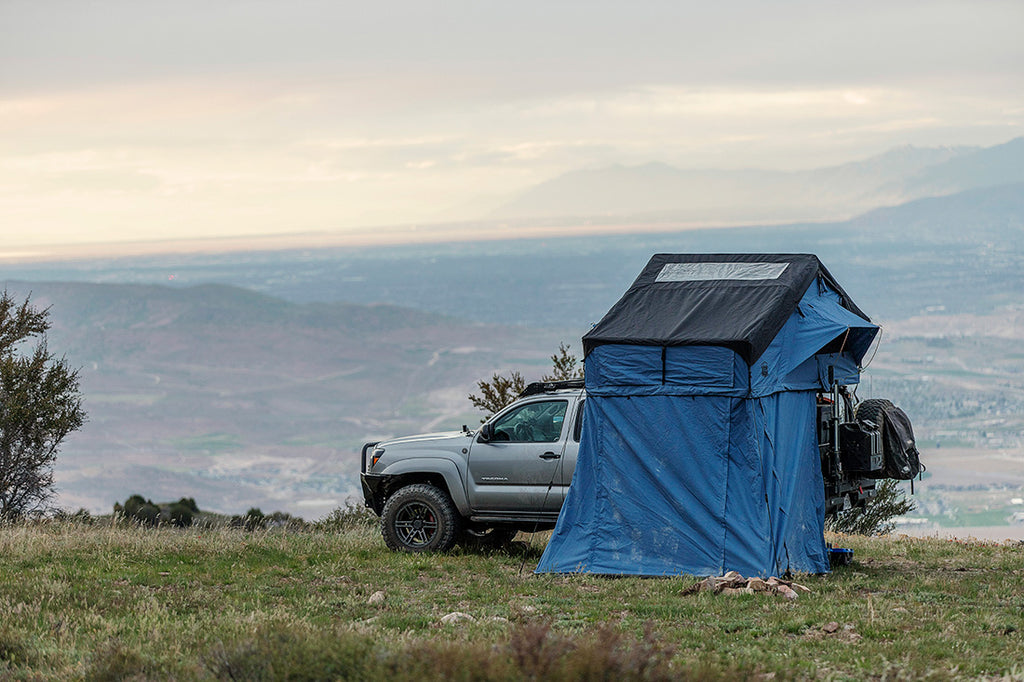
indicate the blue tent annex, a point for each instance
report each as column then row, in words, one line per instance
column 699, row 452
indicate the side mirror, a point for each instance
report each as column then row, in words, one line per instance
column 486, row 432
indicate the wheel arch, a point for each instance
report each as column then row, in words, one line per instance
column 443, row 474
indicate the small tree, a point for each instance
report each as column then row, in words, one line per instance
column 39, row 406
column 876, row 518
column 498, row 392
column 565, row 365
column 502, row 390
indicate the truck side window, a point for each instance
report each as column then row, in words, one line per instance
column 539, row 422
column 577, row 428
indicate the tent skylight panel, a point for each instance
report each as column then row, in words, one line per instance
column 705, row 272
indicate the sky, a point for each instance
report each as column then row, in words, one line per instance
column 141, row 120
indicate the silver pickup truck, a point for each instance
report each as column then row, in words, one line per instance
column 479, row 487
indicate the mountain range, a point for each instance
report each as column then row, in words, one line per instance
column 658, row 191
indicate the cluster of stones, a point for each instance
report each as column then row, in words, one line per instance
column 733, row 583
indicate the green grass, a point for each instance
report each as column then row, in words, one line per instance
column 102, row 602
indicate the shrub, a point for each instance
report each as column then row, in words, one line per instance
column 139, row 509
column 352, row 515
column 181, row 515
column 252, row 520
column 190, row 503
column 877, row 517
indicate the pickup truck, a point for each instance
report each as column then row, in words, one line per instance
column 478, row 487
column 482, row 487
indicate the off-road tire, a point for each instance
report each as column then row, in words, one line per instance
column 420, row 518
column 871, row 410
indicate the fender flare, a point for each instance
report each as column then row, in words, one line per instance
column 448, row 470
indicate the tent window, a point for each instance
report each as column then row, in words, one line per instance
column 702, row 272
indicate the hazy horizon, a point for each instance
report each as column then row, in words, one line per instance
column 139, row 122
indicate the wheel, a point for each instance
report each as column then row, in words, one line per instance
column 871, row 411
column 420, row 518
column 488, row 538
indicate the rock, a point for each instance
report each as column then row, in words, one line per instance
column 830, row 628
column 376, row 598
column 786, row 591
column 456, row 617
column 757, row 585
column 800, row 588
column 732, row 575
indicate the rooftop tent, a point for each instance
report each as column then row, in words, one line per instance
column 699, row 451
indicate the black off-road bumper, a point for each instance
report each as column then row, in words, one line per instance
column 374, row 486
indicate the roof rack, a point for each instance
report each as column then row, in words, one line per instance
column 538, row 387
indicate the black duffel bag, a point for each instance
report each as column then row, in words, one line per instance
column 902, row 459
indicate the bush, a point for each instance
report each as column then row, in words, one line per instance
column 190, row 503
column 352, row 515
column 254, row 519
column 182, row 515
column 139, row 509
column 147, row 513
column 876, row 518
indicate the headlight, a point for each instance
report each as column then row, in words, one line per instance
column 377, row 454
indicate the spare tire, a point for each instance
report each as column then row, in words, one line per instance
column 873, row 411
column 902, row 459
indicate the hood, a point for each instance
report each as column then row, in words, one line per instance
column 426, row 438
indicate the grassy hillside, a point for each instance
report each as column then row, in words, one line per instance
column 101, row 602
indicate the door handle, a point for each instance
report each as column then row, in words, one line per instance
column 549, row 455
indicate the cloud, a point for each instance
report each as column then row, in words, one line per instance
column 273, row 116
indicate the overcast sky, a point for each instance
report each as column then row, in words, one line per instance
column 145, row 120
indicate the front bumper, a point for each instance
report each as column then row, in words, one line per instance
column 373, row 486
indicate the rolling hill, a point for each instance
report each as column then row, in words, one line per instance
column 240, row 399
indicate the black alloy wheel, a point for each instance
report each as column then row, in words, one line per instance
column 415, row 524
column 420, row 518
